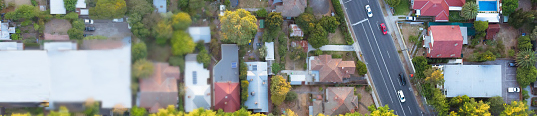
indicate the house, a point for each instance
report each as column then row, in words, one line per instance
column 298, row 79
column 492, row 31
column 226, row 77
column 290, row 8
column 160, row 6
column 439, row 9
column 483, row 81
column 296, row 31
column 57, row 7
column 80, row 4
column 159, row 90
column 489, row 10
column 200, row 33
column 258, row 88
column 331, row 70
column 5, row 46
column 62, row 74
column 444, row 41
column 301, row 43
column 270, row 50
column 340, row 100
column 198, row 89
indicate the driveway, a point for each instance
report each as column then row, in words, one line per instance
column 113, row 30
column 508, row 78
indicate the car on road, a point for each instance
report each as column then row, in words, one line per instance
column 402, row 79
column 85, row 35
column 401, row 95
column 383, row 28
column 89, row 29
column 368, row 10
column 513, row 89
column 88, row 21
column 511, row 64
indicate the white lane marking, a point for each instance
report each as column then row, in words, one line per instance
column 360, row 22
column 384, row 62
column 381, row 75
column 388, row 55
column 409, row 110
column 346, row 2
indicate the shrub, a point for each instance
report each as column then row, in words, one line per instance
column 318, row 52
column 525, row 94
column 367, row 88
column 336, row 56
column 261, row 12
column 291, row 96
column 361, row 67
column 178, row 60
column 276, row 68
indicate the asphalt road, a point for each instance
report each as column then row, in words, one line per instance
column 381, row 56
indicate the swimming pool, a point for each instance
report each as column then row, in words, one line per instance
column 487, row 6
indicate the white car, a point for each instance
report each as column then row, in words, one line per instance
column 88, row 21
column 513, row 89
column 410, row 18
column 368, row 9
column 401, row 95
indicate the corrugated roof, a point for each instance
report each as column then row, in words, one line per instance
column 196, row 83
column 473, row 80
column 258, row 87
column 56, row 7
column 223, row 70
column 160, row 5
column 270, row 50
column 81, row 4
column 200, row 33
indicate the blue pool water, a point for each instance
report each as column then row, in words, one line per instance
column 487, row 6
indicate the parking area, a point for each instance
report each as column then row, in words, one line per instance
column 110, row 29
column 508, row 78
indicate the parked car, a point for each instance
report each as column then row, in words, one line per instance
column 402, row 79
column 512, row 64
column 89, row 29
column 401, row 95
column 383, row 28
column 118, row 20
column 513, row 89
column 368, row 10
column 88, row 21
column 85, row 35
column 410, row 18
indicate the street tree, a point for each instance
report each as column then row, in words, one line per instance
column 138, row 51
column 381, row 111
column 329, row 23
column 509, row 6
column 469, row 10
column 318, row 37
column 240, row 26
column 182, row 43
column 526, row 75
column 181, row 21
column 278, row 89
column 526, row 58
column 142, row 69
column 108, row 9
column 306, row 22
column 516, row 108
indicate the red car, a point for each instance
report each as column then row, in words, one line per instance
column 383, row 28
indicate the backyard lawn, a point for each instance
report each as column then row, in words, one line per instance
column 403, row 8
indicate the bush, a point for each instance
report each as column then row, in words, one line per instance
column 367, row 88
column 336, row 56
column 177, row 61
column 525, row 94
column 138, row 51
column 361, row 68
column 276, row 68
column 291, row 96
column 33, row 2
column 318, row 52
column 261, row 12
column 244, row 91
column 511, row 53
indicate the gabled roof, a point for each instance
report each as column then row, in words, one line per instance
column 57, row 7
column 258, row 87
column 447, row 42
column 160, row 6
column 227, row 69
column 437, row 8
column 226, row 96
column 340, row 100
column 198, row 90
column 200, row 33
column 270, row 50
column 332, row 70
column 159, row 90
column 492, row 30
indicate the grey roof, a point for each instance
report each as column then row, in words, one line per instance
column 160, row 5
column 258, row 85
column 200, row 33
column 473, row 80
column 223, row 70
column 464, row 33
column 56, row 7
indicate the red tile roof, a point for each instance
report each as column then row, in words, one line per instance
column 332, row 70
column 492, row 30
column 340, row 100
column 159, row 90
column 447, row 41
column 437, row 8
column 227, row 96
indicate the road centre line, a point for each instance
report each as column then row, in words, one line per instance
column 360, row 22
column 375, row 57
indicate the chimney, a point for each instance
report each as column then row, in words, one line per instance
column 335, row 98
column 189, row 96
column 225, row 103
column 452, row 27
column 255, row 103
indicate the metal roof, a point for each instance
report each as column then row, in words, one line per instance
column 10, row 46
column 473, row 80
column 196, row 91
column 81, row 4
column 200, row 33
column 56, row 7
column 257, row 76
column 223, row 71
column 160, row 5
column 270, row 50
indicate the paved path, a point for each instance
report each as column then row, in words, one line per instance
column 333, row 48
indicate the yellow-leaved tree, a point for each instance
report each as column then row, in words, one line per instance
column 289, row 112
column 278, row 89
column 434, row 76
column 474, row 108
column 381, row 111
column 238, row 26
column 517, row 108
column 17, row 114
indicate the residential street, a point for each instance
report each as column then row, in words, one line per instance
column 380, row 56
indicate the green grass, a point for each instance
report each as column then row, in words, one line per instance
column 157, row 52
column 403, row 8
column 454, row 16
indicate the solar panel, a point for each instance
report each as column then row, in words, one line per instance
column 234, row 65
column 194, row 77
column 254, row 67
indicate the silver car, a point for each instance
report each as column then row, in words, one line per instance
column 368, row 9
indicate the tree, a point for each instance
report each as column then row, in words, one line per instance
column 525, row 75
column 171, row 111
column 509, row 6
column 496, row 105
column 195, row 6
column 138, row 51
column 361, row 68
column 481, row 26
column 261, row 12
column 78, row 24
column 70, row 5
column 242, row 112
column 203, row 57
column 469, row 10
column 274, row 21
column 458, row 101
column 533, row 34
column 278, row 89
column 108, row 9
column 139, row 6
column 23, row 12
column 138, row 111
column 318, row 37
column 142, row 69
column 438, row 101
column 329, row 23
column 240, row 27
column 289, row 112
column 516, row 108
column 524, row 43
column 306, row 22
column 71, row 16
column 153, row 18
column 474, row 108
column 487, row 56
column 177, row 60
column 183, row 5
column 526, row 58
column 435, row 78
column 243, row 70
column 181, row 21
column 393, row 3
column 262, row 51
column 381, row 111
column 291, row 96
column 244, row 91
column 92, row 107
column 76, row 34
column 182, row 43
column 162, row 32
column 519, row 17
column 63, row 111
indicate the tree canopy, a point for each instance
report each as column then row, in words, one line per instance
column 361, row 68
column 139, row 6
column 496, row 105
column 516, row 108
column 261, row 12
column 203, row 57
column 138, row 51
column 481, row 26
column 469, row 10
column 318, row 37
column 23, row 12
column 240, row 26
column 436, row 77
column 509, row 6
column 278, row 89
column 70, row 5
column 108, row 9
column 306, row 22
column 381, row 111
column 142, row 69
column 182, row 43
column 274, row 21
column 162, row 31
column 329, row 23
column 474, row 108
column 181, row 21
column 526, row 75
column 526, row 58
column 76, row 34
column 138, row 111
column 519, row 17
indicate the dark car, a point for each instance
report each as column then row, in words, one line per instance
column 512, row 64
column 90, row 29
column 85, row 35
column 402, row 79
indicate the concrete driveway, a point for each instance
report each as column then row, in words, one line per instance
column 508, row 78
column 112, row 30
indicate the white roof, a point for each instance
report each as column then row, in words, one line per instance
column 81, row 4
column 56, row 7
column 270, row 50
column 491, row 17
column 258, row 78
column 10, row 46
column 297, row 79
column 67, row 76
column 60, row 46
column 457, row 8
column 84, row 12
column 473, row 80
column 200, row 88
column 200, row 33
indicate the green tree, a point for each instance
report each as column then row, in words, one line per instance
column 78, row 24
column 318, row 37
column 524, row 43
column 177, row 60
column 92, row 108
column 181, row 21
column 509, row 6
column 183, row 5
column 438, row 101
column 274, row 21
column 23, row 12
column 182, row 43
column 458, row 101
column 526, row 75
column 240, row 26
column 481, row 26
column 329, row 23
column 469, row 10
column 487, row 56
column 162, row 32
column 71, row 16
column 139, row 6
column 533, row 34
column 393, row 3
column 381, row 111
column 138, row 111
column 436, row 77
column 70, row 5
column 203, row 57
column 243, row 70
column 361, row 68
column 242, row 112
column 278, row 89
column 108, row 9
column 142, row 69
column 516, row 108
column 261, row 12
column 519, row 17
column 291, row 96
column 63, row 111
column 139, row 30
column 306, row 22
column 195, row 6
column 75, row 34
column 496, row 105
column 138, row 51
column 276, row 68
column 526, row 58
column 244, row 91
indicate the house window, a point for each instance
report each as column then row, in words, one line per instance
column 194, row 77
column 254, row 67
